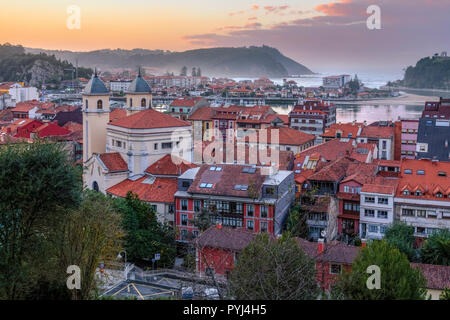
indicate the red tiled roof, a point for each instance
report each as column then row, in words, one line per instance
column 375, row 188
column 225, row 238
column 224, row 181
column 117, row 114
column 344, row 128
column 437, row 276
column 166, row 166
column 186, row 102
column 160, row 190
column 203, row 114
column 287, row 136
column 430, row 181
column 149, row 119
column 377, row 132
column 334, row 251
column 114, row 161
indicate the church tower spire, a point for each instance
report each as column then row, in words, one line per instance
column 138, row 95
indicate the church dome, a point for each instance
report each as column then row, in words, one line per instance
column 139, row 85
column 95, row 86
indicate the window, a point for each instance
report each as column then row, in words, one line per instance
column 335, row 268
column 87, row 104
column 197, row 205
column 250, row 224
column 155, row 207
column 270, row 190
column 250, row 210
column 171, row 208
column 369, row 213
column 420, row 172
column 421, row 213
column 408, row 212
column 383, row 229
column 184, row 204
column 184, row 234
column 418, row 193
column 406, row 192
column 119, row 144
column 382, row 214
column 209, row 272
column 383, row 200
column 99, row 104
column 348, row 206
column 408, row 171
column 384, row 144
column 184, row 219
column 166, row 145
column 439, row 195
column 185, row 184
column 442, row 174
column 264, row 211
column 369, row 199
column 346, row 189
column 420, row 230
column 373, row 228
column 131, row 102
column 155, row 146
column 356, row 207
column 432, row 214
column 263, row 226
column 143, row 102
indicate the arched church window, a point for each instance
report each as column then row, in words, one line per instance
column 143, row 102
column 87, row 104
column 95, row 186
column 99, row 104
column 131, row 102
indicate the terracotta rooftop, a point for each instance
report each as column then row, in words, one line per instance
column 437, row 276
column 225, row 238
column 149, row 189
column 149, row 119
column 113, row 161
column 166, row 166
column 334, row 251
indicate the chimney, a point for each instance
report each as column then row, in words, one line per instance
column 321, row 246
column 363, row 243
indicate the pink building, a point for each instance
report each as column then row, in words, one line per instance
column 409, row 138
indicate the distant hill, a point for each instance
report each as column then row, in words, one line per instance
column 34, row 69
column 231, row 62
column 428, row 73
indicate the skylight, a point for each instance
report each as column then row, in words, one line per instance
column 248, row 170
column 408, row 171
column 420, row 172
column 202, row 185
column 241, row 187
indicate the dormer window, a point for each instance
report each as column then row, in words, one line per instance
column 439, row 195
column 418, row 193
column 406, row 192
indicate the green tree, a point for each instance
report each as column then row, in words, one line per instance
column 398, row 280
column 38, row 184
column 183, row 71
column 296, row 222
column 202, row 220
column 269, row 269
column 145, row 236
column 401, row 236
column 436, row 249
column 90, row 234
column 445, row 295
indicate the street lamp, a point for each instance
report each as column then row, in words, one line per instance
column 119, row 256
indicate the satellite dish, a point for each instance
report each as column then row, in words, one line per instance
column 323, row 233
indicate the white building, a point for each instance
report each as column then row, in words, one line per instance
column 119, row 85
column 121, row 151
column 377, row 209
column 422, row 199
column 335, row 82
column 21, row 94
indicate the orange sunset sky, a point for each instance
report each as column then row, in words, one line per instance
column 319, row 33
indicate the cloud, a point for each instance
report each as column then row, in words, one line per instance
column 337, row 34
column 236, row 13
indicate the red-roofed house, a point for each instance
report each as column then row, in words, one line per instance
column 382, row 134
column 422, row 198
column 182, row 107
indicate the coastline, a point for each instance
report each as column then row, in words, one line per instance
column 403, row 99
